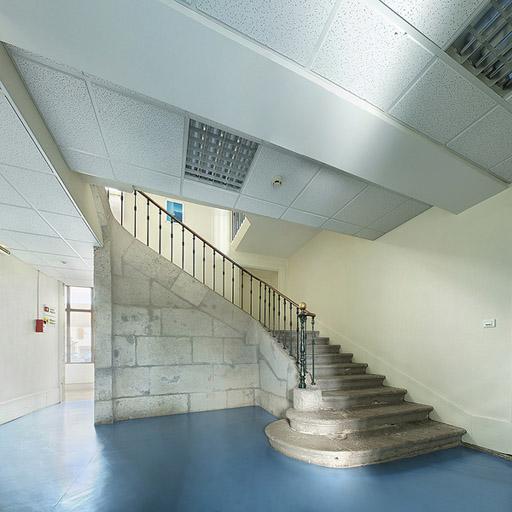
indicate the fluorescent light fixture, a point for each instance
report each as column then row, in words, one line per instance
column 217, row 157
column 485, row 46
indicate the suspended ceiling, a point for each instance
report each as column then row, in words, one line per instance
column 326, row 87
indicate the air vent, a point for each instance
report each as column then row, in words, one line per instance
column 485, row 47
column 217, row 157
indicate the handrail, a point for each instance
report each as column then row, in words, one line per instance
column 292, row 326
column 197, row 235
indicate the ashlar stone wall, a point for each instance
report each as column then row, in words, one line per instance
column 166, row 344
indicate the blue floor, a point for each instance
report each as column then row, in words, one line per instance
column 219, row 461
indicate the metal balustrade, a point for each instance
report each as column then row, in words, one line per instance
column 290, row 322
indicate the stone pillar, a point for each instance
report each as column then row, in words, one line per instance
column 102, row 329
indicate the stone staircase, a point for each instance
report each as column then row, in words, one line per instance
column 350, row 418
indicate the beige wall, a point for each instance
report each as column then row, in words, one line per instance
column 412, row 304
column 30, row 362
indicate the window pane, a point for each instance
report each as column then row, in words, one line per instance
column 80, row 337
column 79, row 298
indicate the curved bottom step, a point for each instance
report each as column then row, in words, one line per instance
column 408, row 441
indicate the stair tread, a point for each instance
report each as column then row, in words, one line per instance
column 407, row 435
column 354, row 393
column 340, row 365
column 332, row 416
column 357, row 376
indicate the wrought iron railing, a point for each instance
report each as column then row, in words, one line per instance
column 290, row 322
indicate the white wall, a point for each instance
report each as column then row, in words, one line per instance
column 79, row 373
column 412, row 304
column 30, row 368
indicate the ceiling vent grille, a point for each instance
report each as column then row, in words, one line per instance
column 217, row 157
column 485, row 47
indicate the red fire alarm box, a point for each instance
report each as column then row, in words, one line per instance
column 39, row 325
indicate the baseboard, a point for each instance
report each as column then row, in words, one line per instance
column 17, row 407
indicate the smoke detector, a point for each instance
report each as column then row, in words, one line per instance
column 277, row 181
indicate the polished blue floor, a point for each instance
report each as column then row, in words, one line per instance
column 219, row 461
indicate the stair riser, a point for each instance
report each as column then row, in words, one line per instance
column 362, row 459
column 318, row 343
column 331, row 358
column 350, row 426
column 333, row 384
column 348, row 403
column 320, row 349
column 329, row 372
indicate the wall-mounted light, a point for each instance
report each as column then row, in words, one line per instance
column 277, row 181
column 4, row 250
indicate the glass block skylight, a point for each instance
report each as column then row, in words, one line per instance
column 217, row 157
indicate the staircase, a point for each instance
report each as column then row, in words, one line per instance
column 354, row 420
column 342, row 416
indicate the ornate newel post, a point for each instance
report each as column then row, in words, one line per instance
column 302, row 342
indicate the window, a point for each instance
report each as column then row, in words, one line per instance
column 175, row 209
column 78, row 324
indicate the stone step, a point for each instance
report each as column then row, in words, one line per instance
column 356, row 420
column 348, row 398
column 318, row 341
column 325, row 370
column 367, row 380
column 336, row 452
column 342, row 357
column 320, row 349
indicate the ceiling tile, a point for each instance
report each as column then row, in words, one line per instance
column 399, row 215
column 371, row 204
column 88, row 164
column 85, row 250
column 70, row 228
column 42, row 191
column 251, row 205
column 439, row 21
column 442, row 103
column 487, row 142
column 9, row 195
column 16, row 145
column 40, row 243
column 146, row 179
column 8, row 239
column 32, row 258
column 211, row 195
column 300, row 217
column 289, row 27
column 27, row 220
column 139, row 132
column 328, row 192
column 368, row 234
column 295, row 172
column 65, row 105
column 368, row 55
column 504, row 170
column 341, row 227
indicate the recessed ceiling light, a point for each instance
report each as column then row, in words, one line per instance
column 485, row 46
column 217, row 157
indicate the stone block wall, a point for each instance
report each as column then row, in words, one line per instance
column 165, row 343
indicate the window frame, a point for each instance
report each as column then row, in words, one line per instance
column 70, row 310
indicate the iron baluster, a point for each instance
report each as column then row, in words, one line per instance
column 183, row 247
column 159, row 231
column 122, row 204
column 172, row 240
column 232, row 282
column 250, row 294
column 194, row 255
column 265, row 307
column 213, row 280
column 297, row 327
column 313, row 341
column 291, row 329
column 241, row 274
column 223, row 276
column 135, row 214
column 147, row 222
column 204, row 260
column 303, row 344
column 284, row 323
column 273, row 310
column 259, row 305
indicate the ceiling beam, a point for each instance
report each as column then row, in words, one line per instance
column 170, row 53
